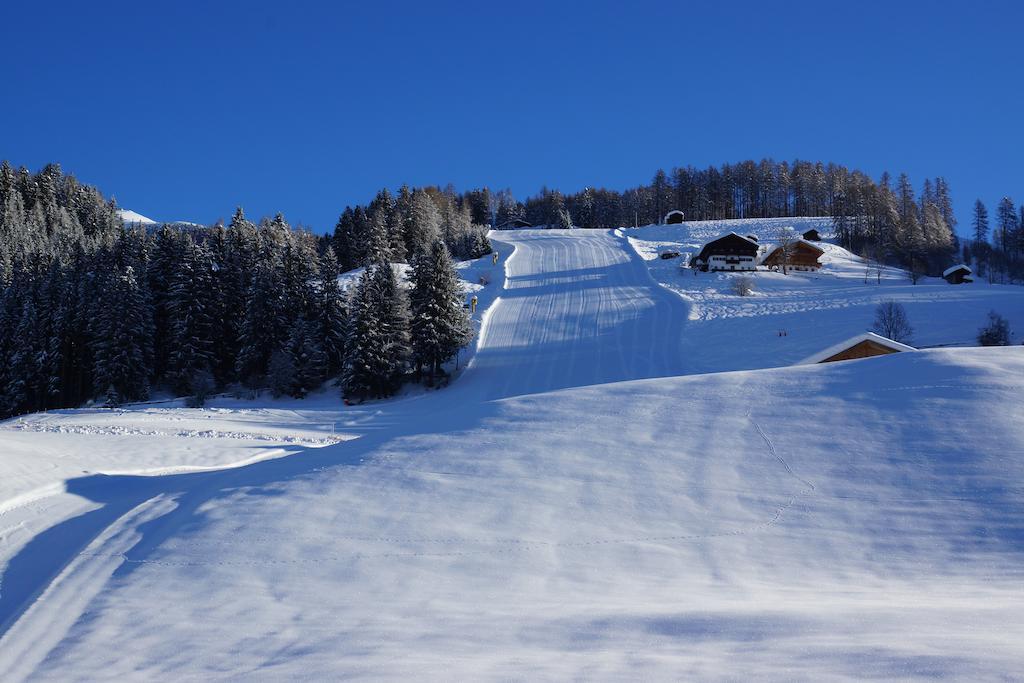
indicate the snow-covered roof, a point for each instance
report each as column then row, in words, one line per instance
column 812, row 245
column 953, row 269
column 723, row 236
column 673, row 212
column 853, row 341
column 697, row 258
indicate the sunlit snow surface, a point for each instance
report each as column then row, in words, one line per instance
column 544, row 518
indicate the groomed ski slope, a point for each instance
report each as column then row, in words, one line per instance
column 541, row 518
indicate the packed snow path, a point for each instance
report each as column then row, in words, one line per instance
column 579, row 308
column 816, row 522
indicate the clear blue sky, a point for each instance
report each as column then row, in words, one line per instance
column 184, row 109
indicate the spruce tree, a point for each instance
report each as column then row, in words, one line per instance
column 377, row 346
column 307, row 358
column 363, row 364
column 1007, row 221
column 331, row 314
column 394, row 306
column 425, row 228
column 440, row 325
column 121, row 334
column 190, row 312
column 980, row 222
column 265, row 325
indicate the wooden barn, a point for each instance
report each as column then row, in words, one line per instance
column 802, row 256
column 673, row 217
column 958, row 275
column 812, row 235
column 730, row 252
column 863, row 345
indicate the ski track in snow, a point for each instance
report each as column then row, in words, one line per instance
column 117, row 430
column 577, row 311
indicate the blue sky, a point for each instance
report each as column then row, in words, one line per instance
column 184, row 110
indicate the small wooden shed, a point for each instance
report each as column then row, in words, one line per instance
column 673, row 217
column 864, row 345
column 958, row 275
column 812, row 235
column 802, row 256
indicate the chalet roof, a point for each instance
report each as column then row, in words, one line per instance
column 953, row 269
column 673, row 212
column 729, row 235
column 810, row 245
column 853, row 341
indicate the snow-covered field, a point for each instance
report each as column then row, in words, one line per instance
column 571, row 507
column 812, row 311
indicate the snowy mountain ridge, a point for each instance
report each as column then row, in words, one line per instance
column 133, row 218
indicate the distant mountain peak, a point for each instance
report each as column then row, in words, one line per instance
column 131, row 217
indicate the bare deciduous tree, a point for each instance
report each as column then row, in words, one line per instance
column 891, row 321
column 743, row 286
column 787, row 246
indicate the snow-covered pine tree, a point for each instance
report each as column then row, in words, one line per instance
column 164, row 259
column 22, row 388
column 396, row 235
column 307, row 358
column 945, row 202
column 345, row 240
column 299, row 274
column 425, row 226
column 121, row 333
column 281, row 373
column 190, row 315
column 377, row 346
column 330, row 313
column 235, row 273
column 440, row 325
column 378, row 242
column 265, row 326
column 363, row 366
column 394, row 306
column 979, row 223
column 1006, row 217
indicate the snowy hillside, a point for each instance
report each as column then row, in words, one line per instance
column 576, row 505
column 813, row 310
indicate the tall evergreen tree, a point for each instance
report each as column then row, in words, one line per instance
column 1006, row 218
column 331, row 314
column 192, row 325
column 440, row 324
column 265, row 325
column 122, row 333
column 980, row 222
column 377, row 345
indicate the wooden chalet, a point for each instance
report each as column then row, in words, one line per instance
column 514, row 224
column 673, row 217
column 958, row 275
column 863, row 345
column 802, row 256
column 730, row 252
column 812, row 235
